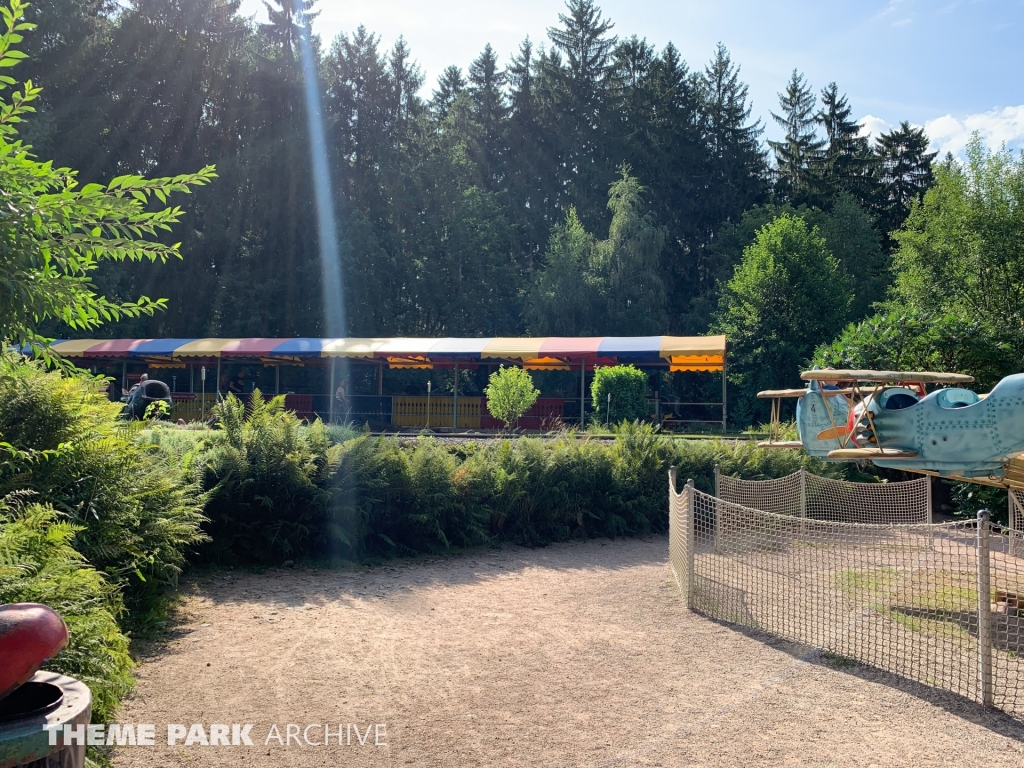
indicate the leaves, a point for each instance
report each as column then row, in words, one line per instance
column 55, row 236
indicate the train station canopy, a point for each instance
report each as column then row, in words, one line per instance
column 679, row 353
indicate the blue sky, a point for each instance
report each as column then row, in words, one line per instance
column 953, row 67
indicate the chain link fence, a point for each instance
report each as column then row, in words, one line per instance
column 822, row 498
column 935, row 603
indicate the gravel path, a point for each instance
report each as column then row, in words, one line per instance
column 575, row 654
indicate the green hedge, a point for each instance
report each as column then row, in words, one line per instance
column 628, row 389
column 280, row 491
column 137, row 512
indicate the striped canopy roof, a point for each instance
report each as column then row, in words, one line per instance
column 703, row 353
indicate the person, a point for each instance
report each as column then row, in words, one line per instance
column 237, row 385
column 341, row 395
column 142, row 379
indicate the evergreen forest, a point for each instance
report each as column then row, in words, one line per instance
column 585, row 184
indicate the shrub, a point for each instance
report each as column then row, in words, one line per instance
column 510, row 393
column 267, row 481
column 38, row 564
column 628, row 389
column 135, row 512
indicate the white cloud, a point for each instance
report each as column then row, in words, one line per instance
column 872, row 126
column 899, row 13
column 997, row 127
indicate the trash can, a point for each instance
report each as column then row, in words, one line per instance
column 46, row 702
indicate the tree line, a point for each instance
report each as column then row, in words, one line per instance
column 587, row 184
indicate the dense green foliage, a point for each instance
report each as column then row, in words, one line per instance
column 267, row 481
column 787, row 294
column 510, row 393
column 445, row 203
column 279, row 492
column 55, row 236
column 627, row 386
column 956, row 301
column 136, row 513
column 39, row 564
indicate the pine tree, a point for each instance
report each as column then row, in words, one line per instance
column 733, row 180
column 486, row 83
column 578, row 111
column 798, row 155
column 906, row 171
column 525, row 149
column 288, row 21
column 450, row 84
column 846, row 164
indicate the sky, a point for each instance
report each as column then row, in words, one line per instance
column 954, row 67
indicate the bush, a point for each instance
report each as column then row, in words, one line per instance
column 267, row 480
column 377, row 497
column 510, row 393
column 38, row 564
column 627, row 386
column 135, row 512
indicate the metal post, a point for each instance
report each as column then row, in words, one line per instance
column 691, row 540
column 803, row 492
column 277, row 378
column 191, row 379
column 428, row 404
column 334, row 365
column 718, row 509
column 218, row 379
column 583, row 385
column 1014, row 521
column 725, row 369
column 124, row 375
column 929, row 499
column 455, row 398
column 202, row 405
column 380, row 378
column 984, row 613
column 608, row 410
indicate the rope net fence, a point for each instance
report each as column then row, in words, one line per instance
column 935, row 603
column 841, row 501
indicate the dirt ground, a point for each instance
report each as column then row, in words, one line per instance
column 575, row 654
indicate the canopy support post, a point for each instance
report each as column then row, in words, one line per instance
column 277, row 378
column 219, row 396
column 583, row 386
column 455, row 398
column 191, row 379
column 724, row 370
column 380, row 378
column 330, row 395
column 124, row 375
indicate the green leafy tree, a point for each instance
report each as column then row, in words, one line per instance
column 629, row 262
column 566, row 292
column 851, row 237
column 787, row 296
column 627, row 386
column 956, row 302
column 510, row 393
column 849, row 234
column 612, row 286
column 57, row 234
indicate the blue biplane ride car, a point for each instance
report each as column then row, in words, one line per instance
column 891, row 419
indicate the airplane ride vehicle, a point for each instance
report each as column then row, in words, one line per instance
column 891, row 419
